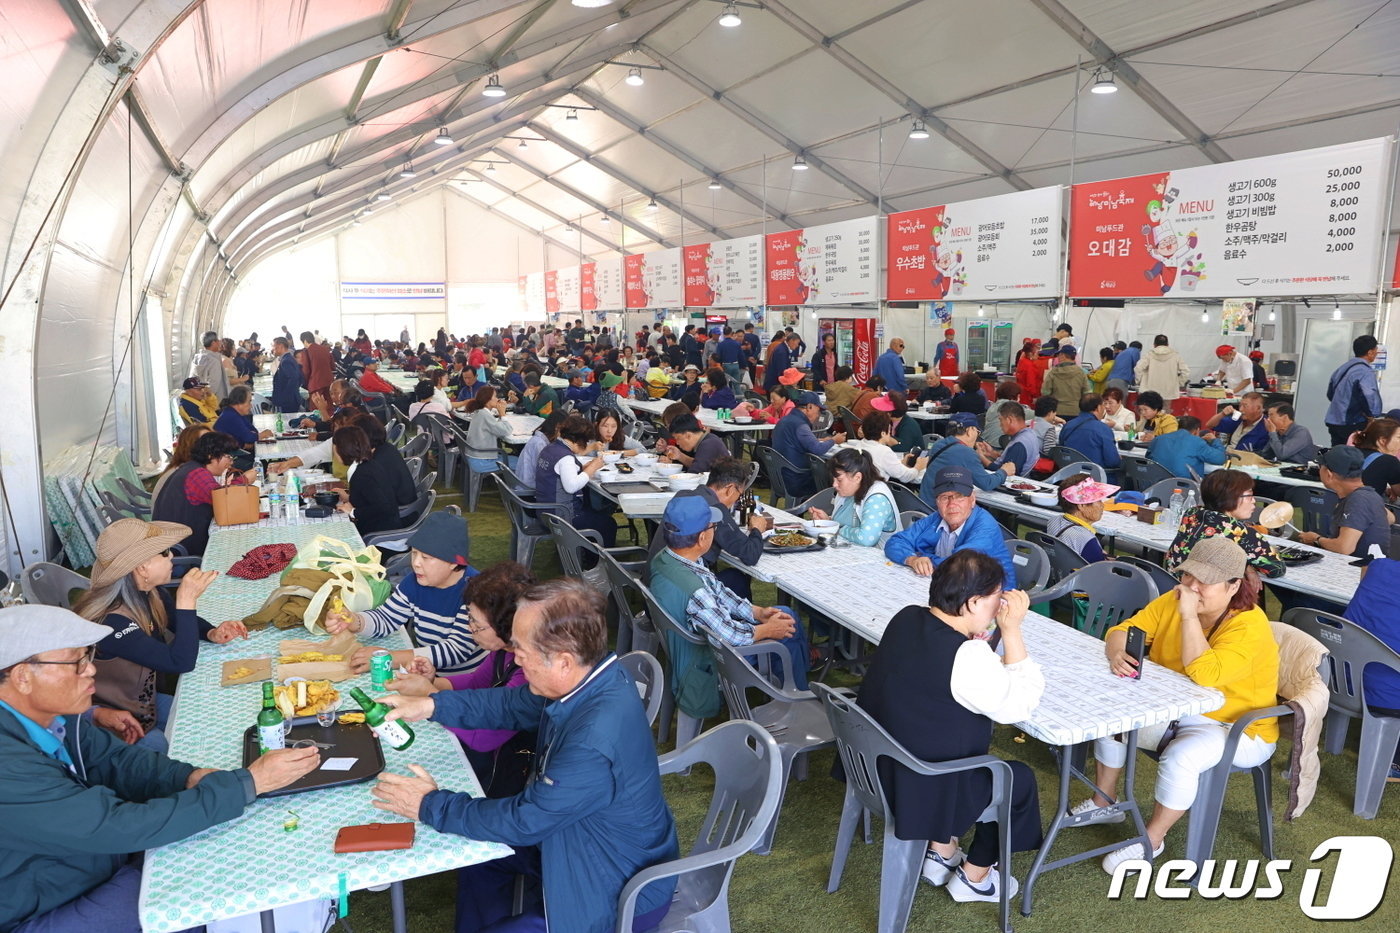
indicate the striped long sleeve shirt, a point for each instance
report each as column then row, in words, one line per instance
column 440, row 619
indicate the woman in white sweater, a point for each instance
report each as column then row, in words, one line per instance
column 877, row 441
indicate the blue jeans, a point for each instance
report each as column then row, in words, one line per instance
column 796, row 645
column 155, row 739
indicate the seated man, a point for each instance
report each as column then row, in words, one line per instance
column 1244, row 429
column 729, row 478
column 582, row 394
column 959, row 523
column 1184, row 451
column 1289, row 441
column 431, row 599
column 1087, row 433
column 371, row 381
column 959, row 449
column 693, row 447
column 539, row 399
column 79, row 802
column 197, row 403
column 593, row 815
column 1361, row 519
column 1021, row 445
column 794, row 439
column 692, row 595
column 1154, row 421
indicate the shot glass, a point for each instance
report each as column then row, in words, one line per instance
column 327, row 717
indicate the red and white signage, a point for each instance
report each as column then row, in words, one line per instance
column 864, row 349
column 634, row 273
column 567, row 290
column 698, row 262
column 587, row 297
column 534, row 293
column 551, row 292
column 607, row 285
column 654, row 279
column 1000, row 248
column 1303, row 223
column 829, row 264
column 726, row 274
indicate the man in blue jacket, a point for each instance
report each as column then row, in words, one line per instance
column 77, row 802
column 960, row 523
column 794, row 439
column 730, row 355
column 593, row 814
column 1087, row 434
column 1184, row 451
column 1125, row 358
column 286, row 381
column 781, row 361
column 890, row 367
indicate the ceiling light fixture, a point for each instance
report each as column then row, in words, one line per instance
column 444, row 138
column 591, row 4
column 491, row 167
column 367, row 210
column 383, row 196
column 730, row 17
column 1103, row 82
column 799, row 164
column 605, row 219
column 1336, row 310
column 714, row 184
column 355, row 222
column 1205, row 315
column 652, row 205
column 523, row 145
column 918, row 130
column 1273, row 313
column 571, row 115
column 634, row 77
column 407, row 171
column 493, row 87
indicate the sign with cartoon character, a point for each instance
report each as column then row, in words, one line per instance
column 830, row 264
column 1002, row 247
column 724, row 274
column 1303, row 223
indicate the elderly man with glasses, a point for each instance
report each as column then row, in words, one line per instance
column 78, row 802
column 960, row 523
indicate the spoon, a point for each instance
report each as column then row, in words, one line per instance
column 1278, row 515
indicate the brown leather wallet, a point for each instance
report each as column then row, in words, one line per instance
column 374, row 837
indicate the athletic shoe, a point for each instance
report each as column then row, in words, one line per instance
column 1394, row 774
column 1118, row 856
column 1086, row 813
column 937, row 869
column 964, row 891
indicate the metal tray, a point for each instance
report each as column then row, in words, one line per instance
column 770, row 549
column 347, row 740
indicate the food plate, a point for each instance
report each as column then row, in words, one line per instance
column 1019, row 484
column 246, row 671
column 792, row 542
column 1294, row 557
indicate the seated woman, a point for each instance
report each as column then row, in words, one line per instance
column 370, row 501
column 236, row 420
column 389, row 457
column 500, row 757
column 879, row 445
column 779, row 404
column 611, row 437
column 1227, row 504
column 180, row 454
column 487, row 429
column 690, row 382
column 153, row 631
column 969, row 397
column 864, row 506
column 188, row 496
column 715, row 393
column 561, row 477
column 1380, row 442
column 1211, row 629
column 1115, row 414
column 937, row 686
column 1081, row 500
column 906, row 432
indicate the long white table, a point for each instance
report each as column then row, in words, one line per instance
column 250, row 864
column 521, row 426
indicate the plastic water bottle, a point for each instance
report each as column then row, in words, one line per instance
column 294, row 499
column 1176, row 506
column 1190, row 502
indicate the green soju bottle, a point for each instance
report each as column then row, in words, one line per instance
column 397, row 734
column 271, row 734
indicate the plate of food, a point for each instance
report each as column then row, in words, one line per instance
column 1296, row 557
column 791, row 542
column 1025, row 485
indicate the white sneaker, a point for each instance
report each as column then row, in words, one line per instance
column 964, row 891
column 1086, row 813
column 937, row 869
column 1117, row 857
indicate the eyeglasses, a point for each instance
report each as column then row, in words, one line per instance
column 1246, row 495
column 80, row 663
column 948, row 498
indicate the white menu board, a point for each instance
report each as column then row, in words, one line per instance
column 567, row 285
column 737, row 271
column 607, row 284
column 662, row 279
column 829, row 264
column 534, row 296
column 1002, row 247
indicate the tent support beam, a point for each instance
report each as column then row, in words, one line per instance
column 497, row 212
column 535, row 205
column 592, row 202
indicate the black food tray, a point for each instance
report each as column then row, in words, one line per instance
column 816, row 546
column 347, row 740
column 1297, row 558
column 1297, row 473
column 622, row 489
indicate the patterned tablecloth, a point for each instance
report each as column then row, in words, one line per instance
column 251, row 864
column 1082, row 699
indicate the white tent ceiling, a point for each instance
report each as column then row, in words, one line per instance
column 158, row 149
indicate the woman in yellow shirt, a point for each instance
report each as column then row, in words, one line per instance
column 1211, row 629
column 1099, row 377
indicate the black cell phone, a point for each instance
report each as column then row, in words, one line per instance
column 1136, row 648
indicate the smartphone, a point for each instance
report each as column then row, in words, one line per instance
column 1136, row 648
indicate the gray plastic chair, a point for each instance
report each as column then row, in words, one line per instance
column 910, row 517
column 526, row 526
column 650, row 679
column 1140, row 473
column 634, row 628
column 793, row 717
column 1064, row 560
column 422, row 505
column 1031, row 562
column 1073, row 469
column 1162, row 490
column 398, row 568
column 1063, row 456
column 135, row 494
column 51, row 585
column 861, row 742
column 748, row 785
column 415, row 467
column 820, row 469
column 123, row 507
column 667, row 628
column 1159, row 574
column 824, row 499
column 773, row 464
column 1318, row 507
column 395, row 433
column 424, row 483
column 907, row 500
column 573, row 543
column 419, row 444
column 509, row 475
column 1112, row 590
column 1351, row 649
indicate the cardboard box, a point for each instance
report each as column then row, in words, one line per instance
column 1150, row 515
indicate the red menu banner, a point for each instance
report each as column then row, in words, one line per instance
column 587, row 297
column 830, row 264
column 699, row 289
column 864, row 350
column 551, row 292
column 785, row 286
column 1301, row 223
column 634, row 273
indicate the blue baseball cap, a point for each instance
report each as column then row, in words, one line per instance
column 952, row 479
column 962, row 419
column 806, row 398
column 690, row 515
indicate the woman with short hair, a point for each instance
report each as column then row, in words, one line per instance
column 1226, row 509
column 561, row 478
column 370, row 501
column 487, row 429
column 188, row 496
column 878, row 444
column 1115, row 414
column 969, row 398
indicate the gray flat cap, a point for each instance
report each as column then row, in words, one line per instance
column 29, row 630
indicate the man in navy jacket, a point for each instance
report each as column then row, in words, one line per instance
column 1087, row 434
column 593, row 814
column 286, row 381
column 794, row 439
column 960, row 523
column 781, row 361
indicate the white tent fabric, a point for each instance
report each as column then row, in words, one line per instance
column 156, row 151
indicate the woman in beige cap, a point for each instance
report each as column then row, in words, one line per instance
column 151, row 630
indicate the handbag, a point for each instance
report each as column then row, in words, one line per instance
column 374, row 837
column 235, row 505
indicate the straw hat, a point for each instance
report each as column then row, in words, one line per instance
column 129, row 542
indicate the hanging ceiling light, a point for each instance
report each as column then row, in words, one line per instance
column 407, row 171
column 1103, row 82
column 591, row 4
column 918, row 130
column 493, row 87
column 444, row 138
column 1205, row 315
column 1273, row 313
column 714, row 184
column 523, row 145
column 799, row 164
column 571, row 115
column 605, row 219
column 652, row 205
column 355, row 222
column 730, row 16
column 367, row 210
column 491, row 167
column 1336, row 310
column 634, row 77
column 383, row 196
